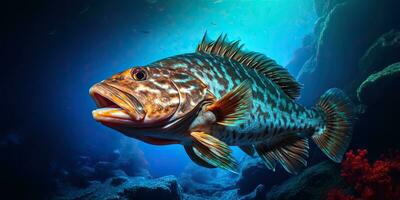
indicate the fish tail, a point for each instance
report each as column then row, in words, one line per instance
column 333, row 138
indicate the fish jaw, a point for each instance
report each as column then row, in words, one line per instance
column 115, row 108
column 112, row 116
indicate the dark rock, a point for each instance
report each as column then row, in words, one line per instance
column 379, row 84
column 87, row 172
column 226, row 195
column 258, row 194
column 62, row 174
column 193, row 197
column 346, row 35
column 301, row 55
column 81, row 177
column 319, row 7
column 313, row 183
column 129, row 158
column 115, row 155
column 104, row 169
column 319, row 25
column 161, row 188
column 378, row 126
column 197, row 180
column 381, row 54
column 254, row 172
column 385, row 51
column 138, row 188
column 143, row 172
column 127, row 162
column 104, row 166
column 83, row 160
column 118, row 172
column 118, row 180
column 322, row 7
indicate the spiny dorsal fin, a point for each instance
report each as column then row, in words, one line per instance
column 267, row 66
column 290, row 153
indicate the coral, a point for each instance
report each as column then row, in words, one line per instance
column 336, row 194
column 379, row 180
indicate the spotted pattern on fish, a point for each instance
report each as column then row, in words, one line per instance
column 221, row 96
column 272, row 112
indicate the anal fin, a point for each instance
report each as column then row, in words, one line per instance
column 213, row 151
column 290, row 152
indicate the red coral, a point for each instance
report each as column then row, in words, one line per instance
column 336, row 194
column 379, row 180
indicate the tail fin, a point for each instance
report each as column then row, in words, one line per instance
column 338, row 111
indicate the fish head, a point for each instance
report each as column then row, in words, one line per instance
column 138, row 97
column 146, row 100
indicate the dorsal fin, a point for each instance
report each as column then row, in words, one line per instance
column 267, row 66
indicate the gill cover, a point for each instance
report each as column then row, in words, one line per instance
column 192, row 93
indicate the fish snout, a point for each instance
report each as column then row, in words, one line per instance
column 115, row 107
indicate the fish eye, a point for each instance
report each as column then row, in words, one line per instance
column 139, row 74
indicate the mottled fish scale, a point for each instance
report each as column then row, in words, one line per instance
column 222, row 75
column 220, row 96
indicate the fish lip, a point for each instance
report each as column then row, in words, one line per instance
column 107, row 96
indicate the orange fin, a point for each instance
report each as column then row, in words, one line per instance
column 213, row 151
column 233, row 107
column 339, row 118
column 197, row 158
column 291, row 153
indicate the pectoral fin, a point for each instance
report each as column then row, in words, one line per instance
column 290, row 153
column 198, row 158
column 213, row 151
column 233, row 107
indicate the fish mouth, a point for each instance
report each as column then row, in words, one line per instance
column 115, row 107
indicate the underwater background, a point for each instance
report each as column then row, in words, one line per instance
column 54, row 51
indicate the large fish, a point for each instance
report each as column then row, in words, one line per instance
column 222, row 96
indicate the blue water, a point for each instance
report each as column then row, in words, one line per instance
column 101, row 39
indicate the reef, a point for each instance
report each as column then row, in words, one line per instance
column 310, row 184
column 376, row 85
column 199, row 183
column 343, row 33
column 382, row 53
column 126, row 188
column 355, row 48
column 85, row 169
column 379, row 180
